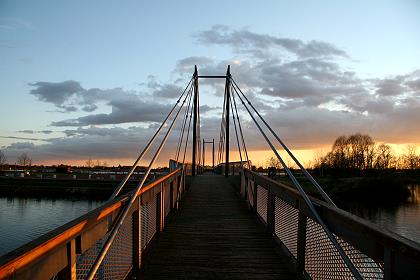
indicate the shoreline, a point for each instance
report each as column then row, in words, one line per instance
column 60, row 188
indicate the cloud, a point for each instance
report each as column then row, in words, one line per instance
column 55, row 93
column 23, row 138
column 302, row 88
column 29, row 131
column 125, row 110
column 21, row 146
column 260, row 45
column 163, row 90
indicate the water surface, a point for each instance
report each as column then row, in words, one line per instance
column 24, row 219
column 399, row 216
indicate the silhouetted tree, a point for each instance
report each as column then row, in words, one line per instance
column 410, row 159
column 385, row 157
column 273, row 162
column 2, row 158
column 89, row 163
column 24, row 160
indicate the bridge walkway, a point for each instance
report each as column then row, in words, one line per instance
column 214, row 236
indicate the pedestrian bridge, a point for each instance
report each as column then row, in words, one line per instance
column 230, row 223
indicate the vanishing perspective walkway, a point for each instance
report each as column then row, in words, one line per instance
column 214, row 236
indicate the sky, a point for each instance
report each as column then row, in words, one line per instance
column 94, row 79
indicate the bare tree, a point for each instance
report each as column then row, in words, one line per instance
column 411, row 159
column 385, row 157
column 89, row 163
column 273, row 162
column 24, row 160
column 2, row 158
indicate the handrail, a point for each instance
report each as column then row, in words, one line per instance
column 31, row 252
column 394, row 255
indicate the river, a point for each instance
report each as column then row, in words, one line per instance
column 24, row 219
column 399, row 216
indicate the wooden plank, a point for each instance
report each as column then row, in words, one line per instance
column 214, row 236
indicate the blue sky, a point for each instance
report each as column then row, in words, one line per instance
column 109, row 45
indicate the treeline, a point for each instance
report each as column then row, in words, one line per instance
column 360, row 153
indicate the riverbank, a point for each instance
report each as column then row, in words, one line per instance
column 59, row 188
column 386, row 187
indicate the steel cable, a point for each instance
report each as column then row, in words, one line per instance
column 305, row 197
column 307, row 174
column 124, row 181
column 120, row 219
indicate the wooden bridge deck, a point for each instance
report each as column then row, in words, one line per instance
column 214, row 236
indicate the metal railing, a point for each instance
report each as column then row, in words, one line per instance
column 69, row 251
column 375, row 252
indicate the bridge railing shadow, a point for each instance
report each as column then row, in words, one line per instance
column 69, row 251
column 375, row 252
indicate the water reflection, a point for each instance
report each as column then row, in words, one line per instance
column 24, row 219
column 398, row 215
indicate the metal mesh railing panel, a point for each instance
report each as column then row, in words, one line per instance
column 286, row 224
column 119, row 259
column 85, row 261
column 262, row 199
column 322, row 260
column 117, row 262
column 367, row 267
column 148, row 222
column 251, row 192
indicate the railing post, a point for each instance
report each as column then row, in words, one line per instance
column 69, row 272
column 301, row 244
column 137, row 238
column 271, row 205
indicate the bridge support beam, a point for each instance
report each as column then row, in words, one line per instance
column 195, row 117
column 228, row 76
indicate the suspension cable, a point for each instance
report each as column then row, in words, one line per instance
column 181, row 136
column 188, row 135
column 120, row 219
column 222, row 131
column 236, row 131
column 136, row 163
column 190, row 112
column 305, row 197
column 307, row 174
column 241, row 133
